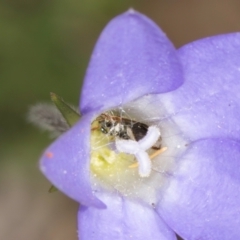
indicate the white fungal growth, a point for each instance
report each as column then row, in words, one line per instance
column 139, row 149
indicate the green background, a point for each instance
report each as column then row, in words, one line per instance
column 45, row 46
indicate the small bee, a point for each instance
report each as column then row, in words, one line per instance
column 124, row 128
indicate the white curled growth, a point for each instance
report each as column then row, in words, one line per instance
column 139, row 149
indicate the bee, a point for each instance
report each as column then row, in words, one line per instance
column 124, row 128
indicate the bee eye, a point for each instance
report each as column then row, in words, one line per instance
column 104, row 130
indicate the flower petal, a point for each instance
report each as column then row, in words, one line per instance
column 66, row 163
column 123, row 219
column 202, row 200
column 208, row 103
column 132, row 57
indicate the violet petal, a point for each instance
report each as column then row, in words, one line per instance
column 66, row 163
column 208, row 103
column 203, row 197
column 122, row 219
column 132, row 57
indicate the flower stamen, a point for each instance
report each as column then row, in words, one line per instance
column 158, row 152
column 151, row 156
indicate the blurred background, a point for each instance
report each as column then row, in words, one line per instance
column 45, row 46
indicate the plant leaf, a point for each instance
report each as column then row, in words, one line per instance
column 52, row 189
column 71, row 116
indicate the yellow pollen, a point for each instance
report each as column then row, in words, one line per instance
column 105, row 161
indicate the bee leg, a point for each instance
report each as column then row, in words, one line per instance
column 153, row 155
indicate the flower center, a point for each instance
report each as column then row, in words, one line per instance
column 131, row 137
column 135, row 156
column 121, row 150
column 106, row 162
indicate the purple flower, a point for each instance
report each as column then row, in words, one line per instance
column 192, row 95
